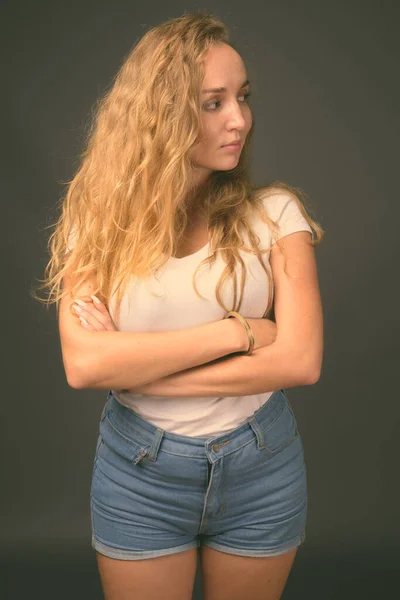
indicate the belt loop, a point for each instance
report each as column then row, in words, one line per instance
column 153, row 452
column 258, row 431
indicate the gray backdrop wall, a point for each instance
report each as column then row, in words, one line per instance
column 326, row 99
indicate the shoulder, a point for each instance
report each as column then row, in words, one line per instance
column 285, row 209
column 276, row 200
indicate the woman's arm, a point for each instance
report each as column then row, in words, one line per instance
column 293, row 359
column 114, row 359
column 269, row 368
column 187, row 381
column 206, row 380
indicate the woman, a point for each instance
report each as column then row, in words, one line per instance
column 198, row 445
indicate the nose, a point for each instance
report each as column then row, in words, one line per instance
column 236, row 118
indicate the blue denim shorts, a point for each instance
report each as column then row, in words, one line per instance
column 155, row 493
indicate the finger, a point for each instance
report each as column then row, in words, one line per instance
column 91, row 314
column 99, row 311
column 88, row 313
column 99, row 305
column 85, row 324
column 92, row 320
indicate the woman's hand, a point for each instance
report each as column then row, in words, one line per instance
column 93, row 315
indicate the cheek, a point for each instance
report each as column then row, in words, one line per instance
column 249, row 120
column 201, row 152
column 208, row 142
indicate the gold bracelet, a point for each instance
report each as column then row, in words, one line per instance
column 249, row 332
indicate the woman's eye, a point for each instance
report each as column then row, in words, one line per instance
column 210, row 104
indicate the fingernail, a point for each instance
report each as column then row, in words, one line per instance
column 96, row 299
column 81, row 302
column 84, row 320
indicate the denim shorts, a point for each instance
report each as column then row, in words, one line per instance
column 155, row 493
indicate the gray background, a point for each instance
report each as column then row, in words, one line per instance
column 325, row 100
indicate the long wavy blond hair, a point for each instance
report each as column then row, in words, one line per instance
column 127, row 203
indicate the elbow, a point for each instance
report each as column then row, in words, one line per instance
column 76, row 384
column 313, row 377
column 310, row 371
column 74, row 381
column 313, row 373
column 75, row 377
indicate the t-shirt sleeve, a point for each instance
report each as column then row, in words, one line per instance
column 284, row 210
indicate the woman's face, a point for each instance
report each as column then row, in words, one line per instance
column 226, row 116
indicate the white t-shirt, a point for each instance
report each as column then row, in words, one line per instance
column 175, row 305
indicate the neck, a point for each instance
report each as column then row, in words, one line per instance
column 195, row 200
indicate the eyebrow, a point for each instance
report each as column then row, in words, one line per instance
column 222, row 89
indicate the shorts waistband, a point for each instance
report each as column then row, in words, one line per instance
column 135, row 427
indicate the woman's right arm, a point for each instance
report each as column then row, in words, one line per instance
column 122, row 360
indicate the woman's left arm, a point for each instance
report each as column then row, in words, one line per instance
column 293, row 359
column 268, row 368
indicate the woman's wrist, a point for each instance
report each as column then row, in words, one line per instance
column 241, row 337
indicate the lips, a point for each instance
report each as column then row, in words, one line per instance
column 236, row 144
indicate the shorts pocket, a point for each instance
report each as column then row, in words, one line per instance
column 120, row 441
column 99, row 440
column 281, row 431
column 96, row 454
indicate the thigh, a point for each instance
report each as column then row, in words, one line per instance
column 233, row 577
column 168, row 577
